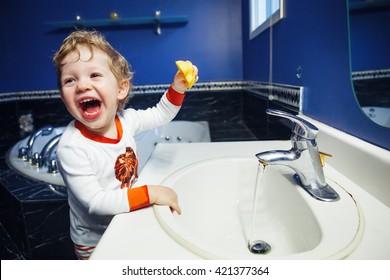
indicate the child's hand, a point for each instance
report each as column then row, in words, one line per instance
column 160, row 195
column 185, row 77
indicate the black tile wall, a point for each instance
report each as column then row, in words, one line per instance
column 373, row 92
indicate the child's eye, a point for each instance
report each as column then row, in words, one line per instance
column 68, row 81
column 95, row 75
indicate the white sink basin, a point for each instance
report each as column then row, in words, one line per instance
column 216, row 197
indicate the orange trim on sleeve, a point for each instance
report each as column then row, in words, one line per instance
column 176, row 98
column 138, row 197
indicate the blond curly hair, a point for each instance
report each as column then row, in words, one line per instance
column 94, row 40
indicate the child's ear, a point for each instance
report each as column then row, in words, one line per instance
column 124, row 87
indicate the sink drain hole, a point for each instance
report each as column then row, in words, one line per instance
column 259, row 247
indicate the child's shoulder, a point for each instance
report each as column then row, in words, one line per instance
column 128, row 115
column 70, row 134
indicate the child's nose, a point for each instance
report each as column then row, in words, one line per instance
column 83, row 85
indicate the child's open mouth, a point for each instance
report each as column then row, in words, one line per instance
column 90, row 108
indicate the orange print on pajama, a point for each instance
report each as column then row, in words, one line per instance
column 126, row 168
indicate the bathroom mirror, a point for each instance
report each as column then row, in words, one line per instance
column 369, row 23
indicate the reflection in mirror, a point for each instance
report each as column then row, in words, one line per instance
column 369, row 23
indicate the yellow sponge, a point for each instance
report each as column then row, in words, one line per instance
column 188, row 71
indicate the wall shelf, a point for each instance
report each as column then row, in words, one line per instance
column 156, row 21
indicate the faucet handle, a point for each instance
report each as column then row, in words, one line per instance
column 302, row 127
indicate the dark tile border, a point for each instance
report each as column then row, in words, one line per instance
column 371, row 74
column 287, row 94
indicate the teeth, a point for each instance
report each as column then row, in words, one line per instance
column 90, row 114
column 87, row 100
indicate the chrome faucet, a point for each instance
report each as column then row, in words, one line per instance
column 303, row 158
column 26, row 152
column 45, row 155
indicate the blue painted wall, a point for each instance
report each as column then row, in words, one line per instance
column 211, row 39
column 313, row 36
